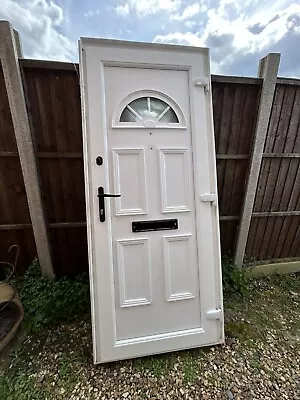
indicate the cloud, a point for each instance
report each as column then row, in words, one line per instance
column 147, row 7
column 188, row 39
column 188, row 12
column 92, row 13
column 256, row 28
column 40, row 26
column 190, row 24
column 122, row 9
column 237, row 35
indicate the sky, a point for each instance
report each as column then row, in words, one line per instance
column 238, row 32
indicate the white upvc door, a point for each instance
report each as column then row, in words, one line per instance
column 151, row 198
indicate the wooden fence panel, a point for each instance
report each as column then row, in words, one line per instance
column 13, row 200
column 235, row 108
column 70, row 254
column 279, row 181
column 54, row 107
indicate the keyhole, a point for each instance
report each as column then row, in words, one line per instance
column 150, row 133
column 99, row 160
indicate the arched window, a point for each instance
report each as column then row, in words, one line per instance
column 149, row 108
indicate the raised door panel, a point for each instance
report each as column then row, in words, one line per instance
column 178, row 262
column 175, row 180
column 130, row 181
column 134, row 278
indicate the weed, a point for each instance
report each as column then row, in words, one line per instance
column 19, row 386
column 239, row 329
column 66, row 365
column 64, row 368
column 255, row 364
column 48, row 303
column 143, row 394
column 189, row 368
column 284, row 282
column 235, row 280
column 157, row 365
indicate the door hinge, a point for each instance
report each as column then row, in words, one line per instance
column 209, row 198
column 214, row 314
column 202, row 82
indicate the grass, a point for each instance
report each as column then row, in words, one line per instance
column 269, row 303
column 190, row 368
column 54, row 350
column 158, row 366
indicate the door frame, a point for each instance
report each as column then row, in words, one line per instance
column 95, row 55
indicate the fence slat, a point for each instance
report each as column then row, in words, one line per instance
column 273, row 193
column 258, row 227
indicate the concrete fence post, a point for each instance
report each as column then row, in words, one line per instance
column 268, row 69
column 10, row 51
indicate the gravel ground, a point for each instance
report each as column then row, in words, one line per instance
column 260, row 359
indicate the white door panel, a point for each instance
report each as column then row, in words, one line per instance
column 130, row 162
column 151, row 287
column 175, row 176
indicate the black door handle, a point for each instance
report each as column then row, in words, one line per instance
column 101, row 195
